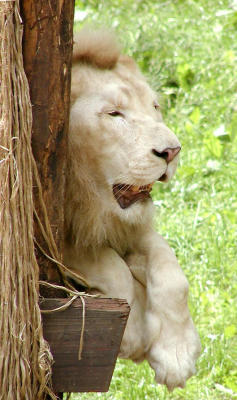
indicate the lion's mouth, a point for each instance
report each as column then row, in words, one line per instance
column 126, row 195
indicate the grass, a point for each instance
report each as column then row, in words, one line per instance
column 188, row 51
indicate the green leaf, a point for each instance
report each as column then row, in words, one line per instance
column 233, row 126
column 229, row 56
column 189, row 127
column 213, row 145
column 186, row 170
column 230, row 331
column 230, row 382
column 185, row 75
column 195, row 116
column 222, row 134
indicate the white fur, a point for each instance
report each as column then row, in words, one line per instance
column 117, row 249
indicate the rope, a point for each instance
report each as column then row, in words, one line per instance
column 82, row 328
column 63, row 268
column 25, row 358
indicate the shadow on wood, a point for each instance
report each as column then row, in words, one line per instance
column 105, row 321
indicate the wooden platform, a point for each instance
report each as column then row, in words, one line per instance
column 105, row 321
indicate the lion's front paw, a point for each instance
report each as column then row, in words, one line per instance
column 173, row 353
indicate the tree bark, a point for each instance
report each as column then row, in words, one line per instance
column 47, row 50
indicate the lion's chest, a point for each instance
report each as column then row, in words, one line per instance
column 119, row 235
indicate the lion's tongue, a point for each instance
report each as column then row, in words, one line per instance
column 126, row 195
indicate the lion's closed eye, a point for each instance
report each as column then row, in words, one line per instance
column 116, row 113
column 156, row 106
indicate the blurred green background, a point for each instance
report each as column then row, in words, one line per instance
column 188, row 51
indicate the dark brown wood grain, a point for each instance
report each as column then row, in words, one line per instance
column 105, row 322
column 47, row 51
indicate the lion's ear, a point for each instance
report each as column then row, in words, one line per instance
column 128, row 62
column 96, row 47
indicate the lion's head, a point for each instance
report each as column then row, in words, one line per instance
column 118, row 139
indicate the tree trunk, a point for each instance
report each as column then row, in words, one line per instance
column 47, row 50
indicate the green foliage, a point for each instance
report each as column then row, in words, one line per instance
column 188, row 51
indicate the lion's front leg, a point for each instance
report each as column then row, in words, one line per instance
column 172, row 342
column 108, row 275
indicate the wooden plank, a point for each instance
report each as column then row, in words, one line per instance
column 105, row 322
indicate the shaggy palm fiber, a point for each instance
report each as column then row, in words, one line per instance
column 25, row 359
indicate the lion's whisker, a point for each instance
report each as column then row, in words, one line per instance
column 128, row 188
column 121, row 190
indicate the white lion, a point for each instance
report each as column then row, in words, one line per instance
column 118, row 147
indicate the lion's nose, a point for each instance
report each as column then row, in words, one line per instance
column 168, row 154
